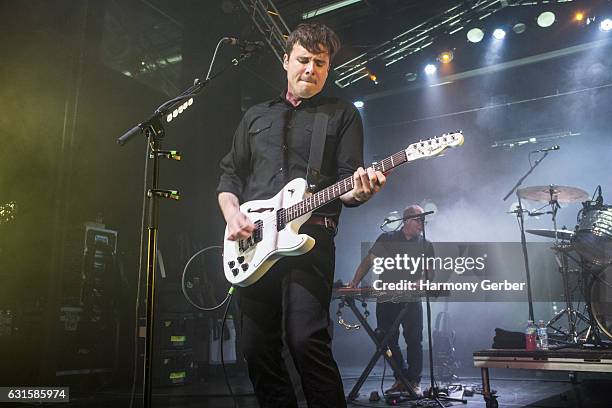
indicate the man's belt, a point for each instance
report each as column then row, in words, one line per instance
column 327, row 222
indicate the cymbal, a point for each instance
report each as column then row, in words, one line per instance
column 563, row 194
column 565, row 235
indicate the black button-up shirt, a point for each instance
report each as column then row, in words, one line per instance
column 272, row 145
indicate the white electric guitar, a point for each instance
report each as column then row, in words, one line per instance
column 278, row 219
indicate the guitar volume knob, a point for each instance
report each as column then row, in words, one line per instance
column 231, row 264
column 235, row 271
column 244, row 266
column 240, row 259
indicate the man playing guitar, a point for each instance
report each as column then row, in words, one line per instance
column 290, row 303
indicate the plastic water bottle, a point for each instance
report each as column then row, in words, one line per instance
column 542, row 336
column 530, row 336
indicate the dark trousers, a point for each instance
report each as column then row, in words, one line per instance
column 412, row 328
column 290, row 303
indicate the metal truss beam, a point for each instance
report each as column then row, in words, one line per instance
column 419, row 37
column 270, row 24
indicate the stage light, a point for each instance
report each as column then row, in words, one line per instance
column 499, row 34
column 546, row 19
column 605, row 25
column 410, row 76
column 519, row 28
column 475, row 35
column 430, row 69
column 358, row 104
column 579, row 16
column 373, row 78
column 446, row 57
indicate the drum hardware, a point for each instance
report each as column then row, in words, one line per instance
column 601, row 300
column 596, row 327
column 593, row 238
column 572, row 334
column 562, row 234
column 553, row 195
column 562, row 249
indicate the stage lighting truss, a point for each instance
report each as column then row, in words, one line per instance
column 269, row 23
column 540, row 137
column 419, row 37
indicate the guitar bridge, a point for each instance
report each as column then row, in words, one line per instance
column 245, row 244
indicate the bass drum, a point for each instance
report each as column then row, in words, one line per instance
column 593, row 237
column 601, row 300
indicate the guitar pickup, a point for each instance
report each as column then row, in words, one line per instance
column 257, row 236
column 258, row 233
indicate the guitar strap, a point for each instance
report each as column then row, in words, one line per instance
column 317, row 148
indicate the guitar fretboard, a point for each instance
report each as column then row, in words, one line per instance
column 328, row 194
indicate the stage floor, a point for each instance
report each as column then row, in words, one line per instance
column 545, row 392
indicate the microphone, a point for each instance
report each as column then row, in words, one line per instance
column 548, row 149
column 247, row 46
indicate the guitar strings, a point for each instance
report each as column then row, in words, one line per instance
column 391, row 162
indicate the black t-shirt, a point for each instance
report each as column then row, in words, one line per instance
column 397, row 258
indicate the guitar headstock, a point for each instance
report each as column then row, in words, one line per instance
column 434, row 146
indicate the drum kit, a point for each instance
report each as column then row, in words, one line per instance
column 589, row 246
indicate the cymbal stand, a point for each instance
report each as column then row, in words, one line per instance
column 561, row 255
column 554, row 207
column 572, row 334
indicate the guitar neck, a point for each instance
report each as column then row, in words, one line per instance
column 328, row 194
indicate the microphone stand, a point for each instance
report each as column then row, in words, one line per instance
column 408, row 217
column 153, row 130
column 433, row 390
column 521, row 218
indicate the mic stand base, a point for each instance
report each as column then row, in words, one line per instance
column 433, row 393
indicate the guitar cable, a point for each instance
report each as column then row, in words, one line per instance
column 184, row 289
column 230, row 292
column 227, row 301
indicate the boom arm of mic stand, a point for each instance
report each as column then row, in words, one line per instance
column 518, row 183
column 173, row 103
column 522, row 227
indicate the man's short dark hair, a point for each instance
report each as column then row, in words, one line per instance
column 311, row 36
